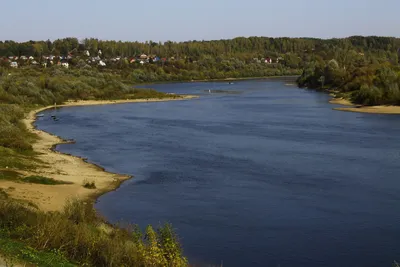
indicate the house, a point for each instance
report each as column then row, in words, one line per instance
column 14, row 64
column 268, row 60
column 34, row 62
column 44, row 65
column 143, row 56
column 31, row 58
column 23, row 58
column 101, row 63
column 99, row 53
column 65, row 65
column 155, row 59
column 86, row 53
column 141, row 62
column 132, row 60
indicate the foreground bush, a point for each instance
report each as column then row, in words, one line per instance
column 80, row 236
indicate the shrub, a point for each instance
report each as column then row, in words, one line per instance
column 78, row 234
column 89, row 184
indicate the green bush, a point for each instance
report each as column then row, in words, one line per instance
column 81, row 236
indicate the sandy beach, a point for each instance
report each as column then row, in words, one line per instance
column 364, row 109
column 66, row 167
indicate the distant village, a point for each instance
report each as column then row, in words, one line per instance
column 98, row 60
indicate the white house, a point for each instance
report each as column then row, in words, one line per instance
column 65, row 65
column 141, row 62
column 268, row 60
column 31, row 58
column 14, row 64
column 86, row 53
column 34, row 62
column 101, row 63
column 23, row 58
column 99, row 53
column 44, row 64
column 143, row 56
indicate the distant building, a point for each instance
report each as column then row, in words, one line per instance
column 86, row 53
column 14, row 64
column 268, row 60
column 101, row 63
column 143, row 56
column 65, row 65
column 31, row 58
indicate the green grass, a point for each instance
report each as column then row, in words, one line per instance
column 79, row 235
column 9, row 175
column 17, row 252
column 22, row 160
column 36, row 179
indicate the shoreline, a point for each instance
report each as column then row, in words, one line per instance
column 351, row 107
column 66, row 167
column 223, row 80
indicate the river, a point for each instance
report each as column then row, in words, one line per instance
column 253, row 173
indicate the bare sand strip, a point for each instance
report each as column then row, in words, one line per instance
column 66, row 167
column 364, row 109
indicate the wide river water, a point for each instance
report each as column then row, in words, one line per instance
column 255, row 173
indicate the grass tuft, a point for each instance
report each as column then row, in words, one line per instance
column 36, row 179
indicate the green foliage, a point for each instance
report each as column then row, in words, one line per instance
column 12, row 131
column 36, row 179
column 16, row 252
column 372, row 81
column 78, row 235
column 9, row 175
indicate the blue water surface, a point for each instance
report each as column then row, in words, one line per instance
column 254, row 173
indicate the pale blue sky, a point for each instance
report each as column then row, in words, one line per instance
column 179, row 20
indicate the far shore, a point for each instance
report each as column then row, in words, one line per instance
column 65, row 167
column 351, row 107
column 223, row 80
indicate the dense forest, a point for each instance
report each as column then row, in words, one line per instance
column 322, row 63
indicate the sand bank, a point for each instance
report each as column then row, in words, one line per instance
column 364, row 109
column 65, row 167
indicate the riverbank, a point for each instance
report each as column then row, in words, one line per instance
column 68, row 168
column 291, row 78
column 351, row 107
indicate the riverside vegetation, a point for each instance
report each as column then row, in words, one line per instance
column 76, row 236
column 364, row 69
